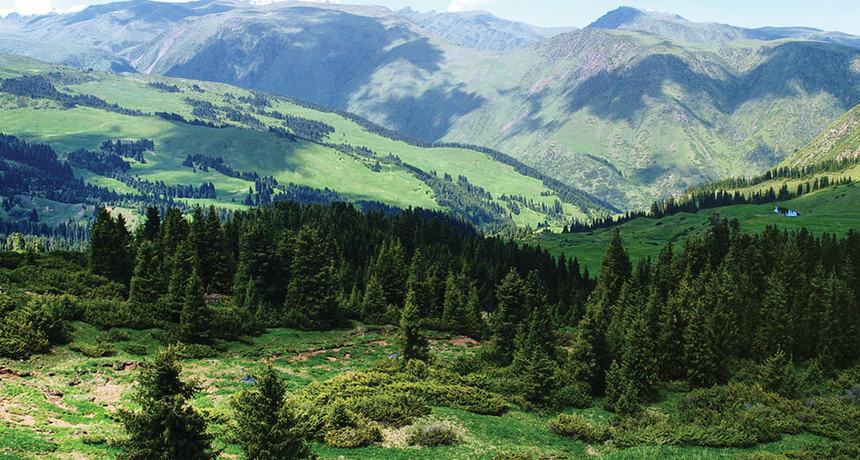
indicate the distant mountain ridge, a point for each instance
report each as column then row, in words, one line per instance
column 677, row 28
column 630, row 116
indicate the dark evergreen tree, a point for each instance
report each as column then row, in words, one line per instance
column 312, row 295
column 534, row 360
column 264, row 425
column 195, row 320
column 145, row 284
column 639, row 360
column 151, row 229
column 109, row 248
column 413, row 344
column 508, row 316
column 373, row 307
column 165, row 426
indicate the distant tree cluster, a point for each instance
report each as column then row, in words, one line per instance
column 164, row 87
column 300, row 128
column 129, row 149
column 39, row 87
column 35, row 170
column 105, row 164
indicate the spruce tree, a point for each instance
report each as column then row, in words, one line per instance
column 639, row 359
column 165, row 426
column 110, row 255
column 195, row 320
column 460, row 312
column 151, row 229
column 621, row 395
column 773, row 333
column 534, row 359
column 417, row 282
column 373, row 306
column 507, row 317
column 311, row 302
column 145, row 284
column 264, row 425
column 699, row 356
column 413, row 344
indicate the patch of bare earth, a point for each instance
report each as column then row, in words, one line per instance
column 108, row 393
column 303, row 356
column 72, row 456
column 463, row 341
column 11, row 412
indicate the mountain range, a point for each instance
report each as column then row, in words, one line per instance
column 635, row 107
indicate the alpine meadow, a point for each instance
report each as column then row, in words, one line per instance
column 277, row 230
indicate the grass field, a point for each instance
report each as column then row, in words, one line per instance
column 833, row 210
column 61, row 405
column 245, row 149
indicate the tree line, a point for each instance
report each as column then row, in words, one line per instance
column 314, row 266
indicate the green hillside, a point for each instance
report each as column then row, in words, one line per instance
column 350, row 159
column 628, row 115
column 838, row 142
column 831, row 210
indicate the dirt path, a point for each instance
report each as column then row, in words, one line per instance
column 303, row 356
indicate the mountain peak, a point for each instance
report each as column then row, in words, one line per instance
column 617, row 17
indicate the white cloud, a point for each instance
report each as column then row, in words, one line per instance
column 28, row 7
column 467, row 5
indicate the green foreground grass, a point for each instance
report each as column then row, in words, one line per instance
column 62, row 405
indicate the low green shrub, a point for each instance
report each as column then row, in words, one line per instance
column 135, row 348
column 353, row 437
column 99, row 350
column 93, row 439
column 432, row 435
column 198, row 351
column 514, row 456
column 394, row 409
column 576, row 395
column 578, row 427
column 112, row 335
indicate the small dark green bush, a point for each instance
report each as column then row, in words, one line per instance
column 99, row 350
column 578, row 427
column 112, row 335
column 135, row 348
column 198, row 351
column 353, row 437
column 93, row 439
column 432, row 435
column 395, row 409
column 573, row 395
column 514, row 456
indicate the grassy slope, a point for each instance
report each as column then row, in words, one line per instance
column 300, row 162
column 832, row 210
column 840, row 140
column 79, row 424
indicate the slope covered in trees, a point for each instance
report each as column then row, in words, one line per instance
column 735, row 340
column 208, row 144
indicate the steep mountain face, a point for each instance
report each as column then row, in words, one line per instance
column 677, row 28
column 627, row 115
column 840, row 141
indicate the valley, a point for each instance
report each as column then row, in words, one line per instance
column 283, row 230
column 634, row 108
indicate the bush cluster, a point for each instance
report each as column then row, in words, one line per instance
column 578, row 427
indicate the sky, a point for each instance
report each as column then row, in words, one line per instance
column 833, row 15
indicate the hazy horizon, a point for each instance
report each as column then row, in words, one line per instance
column 829, row 15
